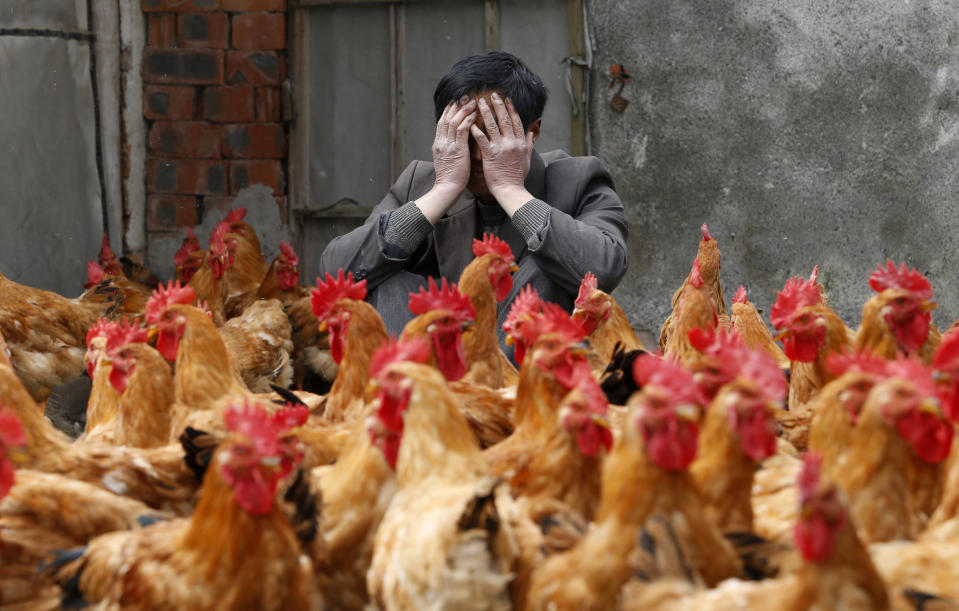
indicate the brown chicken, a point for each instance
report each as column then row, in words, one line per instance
column 237, row 550
column 695, row 309
column 810, row 332
column 260, row 342
column 603, row 321
column 442, row 314
column 281, row 282
column 898, row 319
column 358, row 488
column 314, row 369
column 144, row 381
column 709, row 263
column 102, row 406
column 644, row 475
column 209, row 281
column 249, row 266
column 131, row 296
column 442, row 542
column 747, row 320
column 188, row 258
column 485, row 281
column 837, row 572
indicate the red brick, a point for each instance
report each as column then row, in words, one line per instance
column 169, row 102
column 187, row 139
column 252, row 6
column 171, row 211
column 203, row 30
column 268, row 104
column 161, row 30
column 254, row 141
column 254, row 68
column 228, row 104
column 246, row 173
column 196, row 66
column 259, row 31
column 187, row 176
column 179, row 6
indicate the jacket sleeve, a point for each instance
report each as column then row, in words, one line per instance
column 592, row 238
column 364, row 251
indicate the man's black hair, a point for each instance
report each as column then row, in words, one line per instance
column 494, row 71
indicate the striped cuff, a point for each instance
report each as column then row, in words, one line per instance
column 531, row 220
column 407, row 228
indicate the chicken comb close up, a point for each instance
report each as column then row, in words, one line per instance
column 416, row 349
column 444, row 297
column 288, row 253
column 554, row 319
column 165, row 296
column 524, row 306
column 95, row 274
column 809, row 476
column 913, row 369
column 740, row 296
column 797, row 294
column 853, row 360
column 892, row 277
column 492, row 244
column 763, row 370
column 586, row 287
column 946, row 357
column 124, row 333
column 260, row 426
column 705, row 230
column 331, row 290
column 190, row 244
column 108, row 259
column 671, row 376
column 12, row 435
column 235, row 216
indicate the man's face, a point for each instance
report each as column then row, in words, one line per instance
column 477, row 182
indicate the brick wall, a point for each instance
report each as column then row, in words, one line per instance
column 212, row 71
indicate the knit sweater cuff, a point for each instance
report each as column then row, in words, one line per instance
column 407, row 228
column 531, row 220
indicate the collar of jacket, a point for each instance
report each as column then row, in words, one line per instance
column 458, row 225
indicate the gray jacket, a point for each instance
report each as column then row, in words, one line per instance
column 584, row 231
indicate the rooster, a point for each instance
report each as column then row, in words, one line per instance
column 238, row 549
column 745, row 318
column 188, row 258
column 486, row 281
column 695, row 309
column 144, row 381
column 249, row 266
column 131, row 296
column 209, row 281
column 707, row 264
column 603, row 321
column 897, row 320
column 282, row 282
column 260, row 342
column 442, row 314
column 442, row 542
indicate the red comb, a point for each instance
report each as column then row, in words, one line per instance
column 814, row 276
column 649, row 369
column 288, row 253
column 796, row 294
column 808, row 480
column 289, row 416
column 694, row 278
column 95, row 274
column 417, row 350
column 190, row 244
column 494, row 245
column 444, row 297
column 587, row 286
column 527, row 302
column 946, row 357
column 852, row 360
column 205, row 306
column 235, row 216
column 261, row 427
column 163, row 297
column 554, row 319
column 892, row 277
column 124, row 333
column 740, row 296
column 763, row 371
column 705, row 230
column 332, row 290
column 914, row 370
column 101, row 328
column 107, row 257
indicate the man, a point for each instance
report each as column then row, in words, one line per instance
column 559, row 214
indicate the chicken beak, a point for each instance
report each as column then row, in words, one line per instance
column 152, row 332
column 513, row 268
column 466, row 324
column 509, row 340
column 688, row 412
column 930, row 405
column 322, row 326
column 780, row 335
column 600, row 420
column 579, row 349
column 928, row 306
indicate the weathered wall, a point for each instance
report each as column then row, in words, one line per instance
column 51, row 203
column 803, row 133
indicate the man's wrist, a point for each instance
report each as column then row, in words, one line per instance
column 437, row 201
column 511, row 198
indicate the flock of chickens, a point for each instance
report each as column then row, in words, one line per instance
column 251, row 443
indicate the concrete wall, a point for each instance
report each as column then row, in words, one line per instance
column 803, row 133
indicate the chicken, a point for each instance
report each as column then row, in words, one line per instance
column 281, row 282
column 249, row 266
column 260, row 342
column 358, row 488
column 188, row 258
column 237, row 550
column 442, row 542
column 695, row 309
column 739, row 431
column 102, row 405
column 707, row 264
column 46, row 332
column 604, row 322
column 644, row 475
column 837, row 572
column 745, row 318
column 356, row 330
column 314, row 369
column 557, row 446
column 486, row 281
column 209, row 281
column 144, row 381
column 442, row 314
column 810, row 332
column 897, row 320
column 900, row 417
column 946, row 376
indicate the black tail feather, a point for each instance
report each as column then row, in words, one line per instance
column 198, row 447
column 288, row 396
column 305, row 519
column 617, row 379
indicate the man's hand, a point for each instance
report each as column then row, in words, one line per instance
column 506, row 152
column 451, row 158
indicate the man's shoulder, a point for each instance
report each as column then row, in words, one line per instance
column 585, row 167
